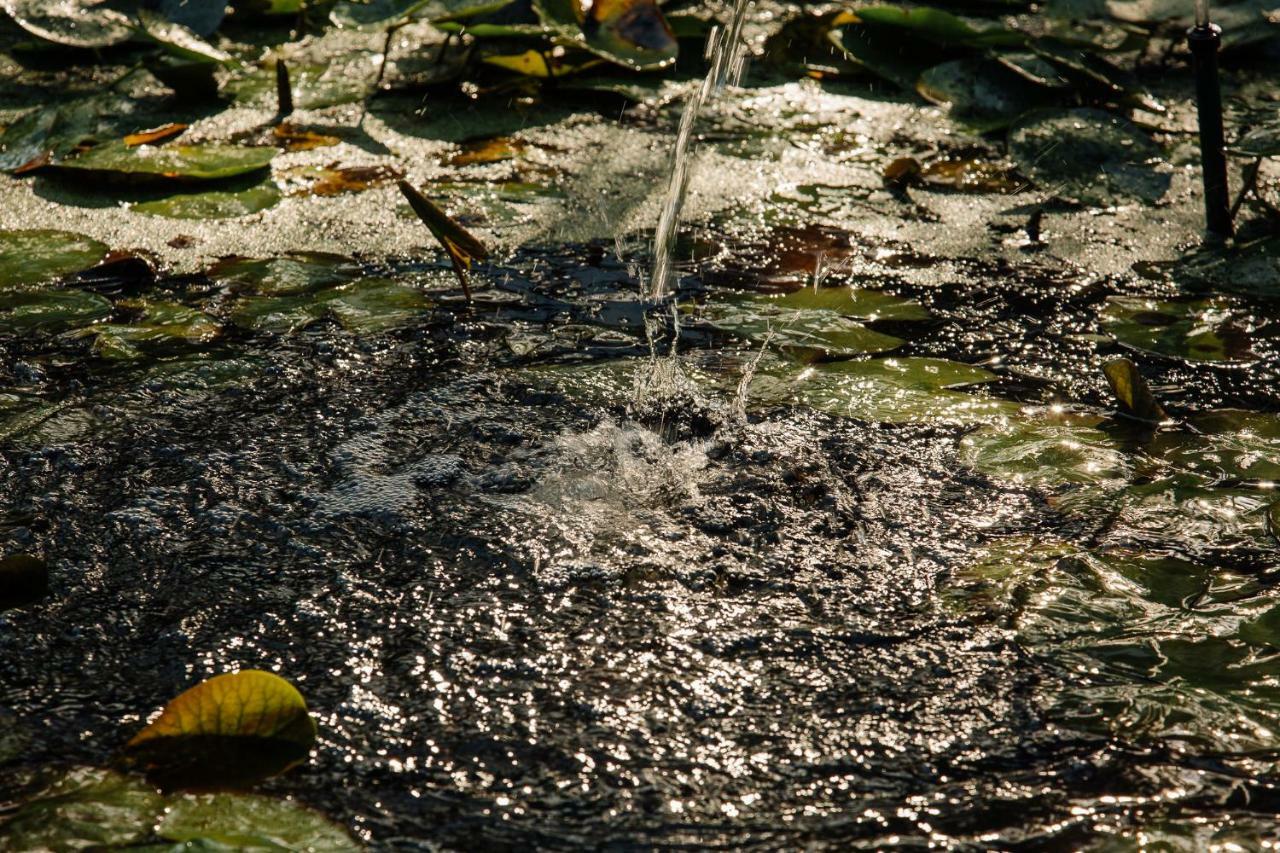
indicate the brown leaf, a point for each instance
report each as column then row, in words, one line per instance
column 154, row 135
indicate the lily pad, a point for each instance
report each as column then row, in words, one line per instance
column 1087, row 155
column 208, row 162
column 1047, row 450
column 982, row 93
column 49, row 310
column 94, row 808
column 886, row 390
column 849, row 302
column 229, row 731
column 179, row 39
column 160, row 323
column 1224, row 444
column 286, row 274
column 1199, row 330
column 213, row 204
column 37, row 256
column 73, row 24
column 806, row 334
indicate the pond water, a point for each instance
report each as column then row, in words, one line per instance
column 846, row 547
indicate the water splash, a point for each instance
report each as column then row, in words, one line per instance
column 726, row 54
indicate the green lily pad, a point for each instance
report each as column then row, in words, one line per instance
column 938, row 26
column 161, row 323
column 1088, row 69
column 73, row 24
column 807, row 334
column 885, row 390
column 38, row 256
column 208, row 162
column 49, row 311
column 314, row 86
column 1200, row 330
column 849, row 302
column 214, row 204
column 287, row 274
column 1087, row 155
column 179, row 39
column 1224, row 444
column 368, row 305
column 1047, row 450
column 95, row 808
column 363, row 13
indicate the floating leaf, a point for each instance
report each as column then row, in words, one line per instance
column 37, row 256
column 458, row 243
column 1197, row 330
column 806, row 334
column 850, row 302
column 49, row 311
column 1047, row 450
column 207, row 162
column 91, row 808
column 971, row 176
column 213, row 204
column 179, row 40
column 1131, row 390
column 75, row 24
column 231, row 730
column 935, row 25
column 368, row 305
column 1088, row 155
column 160, row 323
column 630, row 32
column 24, row 580
column 1227, row 443
column 293, row 273
column 1088, row 69
column 885, row 390
column 298, row 139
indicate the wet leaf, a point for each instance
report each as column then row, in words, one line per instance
column 49, row 311
column 981, row 92
column 849, row 302
column 484, row 151
column 1087, row 155
column 38, row 256
column 299, row 139
column 157, row 134
column 1224, row 444
column 180, row 40
column 231, row 730
column 1131, row 391
column 935, row 25
column 885, row 390
column 92, row 808
column 461, row 247
column 1197, row 330
column 160, row 323
column 368, row 305
column 630, row 32
column 346, row 80
column 806, row 334
column 202, row 17
column 75, row 24
column 971, row 176
column 213, row 204
column 287, row 274
column 1047, row 450
column 206, row 162
column 24, row 580
column 334, row 180
column 538, row 63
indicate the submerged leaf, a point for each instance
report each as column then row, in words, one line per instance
column 461, row 247
column 1197, row 330
column 231, row 730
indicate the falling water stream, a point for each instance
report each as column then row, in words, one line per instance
column 725, row 51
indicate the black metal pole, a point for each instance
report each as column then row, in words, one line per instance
column 1204, row 41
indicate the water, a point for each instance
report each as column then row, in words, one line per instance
column 726, row 52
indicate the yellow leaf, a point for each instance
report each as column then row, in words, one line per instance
column 1132, row 391
column 228, row 731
